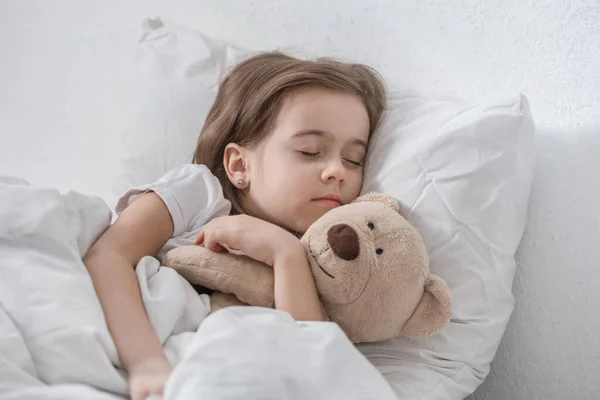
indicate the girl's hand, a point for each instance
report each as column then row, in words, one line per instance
column 254, row 237
column 295, row 290
column 149, row 378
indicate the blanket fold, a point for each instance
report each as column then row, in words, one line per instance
column 54, row 341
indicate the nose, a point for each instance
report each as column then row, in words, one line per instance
column 343, row 241
column 334, row 171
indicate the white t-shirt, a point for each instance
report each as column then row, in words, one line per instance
column 193, row 196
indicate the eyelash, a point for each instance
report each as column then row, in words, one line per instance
column 308, row 154
column 355, row 163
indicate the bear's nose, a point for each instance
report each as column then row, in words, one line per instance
column 343, row 241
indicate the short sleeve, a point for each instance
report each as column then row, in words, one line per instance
column 191, row 192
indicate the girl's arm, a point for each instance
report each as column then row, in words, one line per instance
column 142, row 229
column 295, row 290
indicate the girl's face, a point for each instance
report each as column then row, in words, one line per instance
column 311, row 162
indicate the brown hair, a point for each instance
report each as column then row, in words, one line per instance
column 250, row 97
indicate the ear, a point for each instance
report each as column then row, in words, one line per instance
column 433, row 311
column 379, row 198
column 236, row 165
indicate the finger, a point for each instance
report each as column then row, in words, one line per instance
column 221, row 249
column 217, row 237
column 199, row 238
column 139, row 394
column 216, row 247
column 158, row 389
column 211, row 242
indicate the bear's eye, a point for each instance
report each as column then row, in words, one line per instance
column 371, row 225
column 379, row 251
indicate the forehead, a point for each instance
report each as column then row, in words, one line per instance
column 342, row 114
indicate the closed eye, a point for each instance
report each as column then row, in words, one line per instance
column 309, row 154
column 356, row 163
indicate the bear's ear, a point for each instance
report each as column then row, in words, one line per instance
column 379, row 198
column 433, row 311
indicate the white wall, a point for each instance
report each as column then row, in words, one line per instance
column 63, row 80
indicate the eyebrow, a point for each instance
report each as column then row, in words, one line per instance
column 321, row 133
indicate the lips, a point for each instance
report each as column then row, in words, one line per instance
column 330, row 199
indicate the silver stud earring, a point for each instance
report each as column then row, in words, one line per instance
column 240, row 182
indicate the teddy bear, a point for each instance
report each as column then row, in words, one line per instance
column 370, row 267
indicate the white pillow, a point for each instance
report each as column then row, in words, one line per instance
column 463, row 176
column 176, row 81
column 462, row 173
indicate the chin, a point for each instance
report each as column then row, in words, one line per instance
column 302, row 220
column 303, row 227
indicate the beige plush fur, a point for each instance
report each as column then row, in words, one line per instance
column 369, row 264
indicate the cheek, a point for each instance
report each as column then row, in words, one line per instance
column 286, row 173
column 355, row 182
column 283, row 181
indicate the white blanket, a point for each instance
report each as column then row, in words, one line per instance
column 54, row 342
